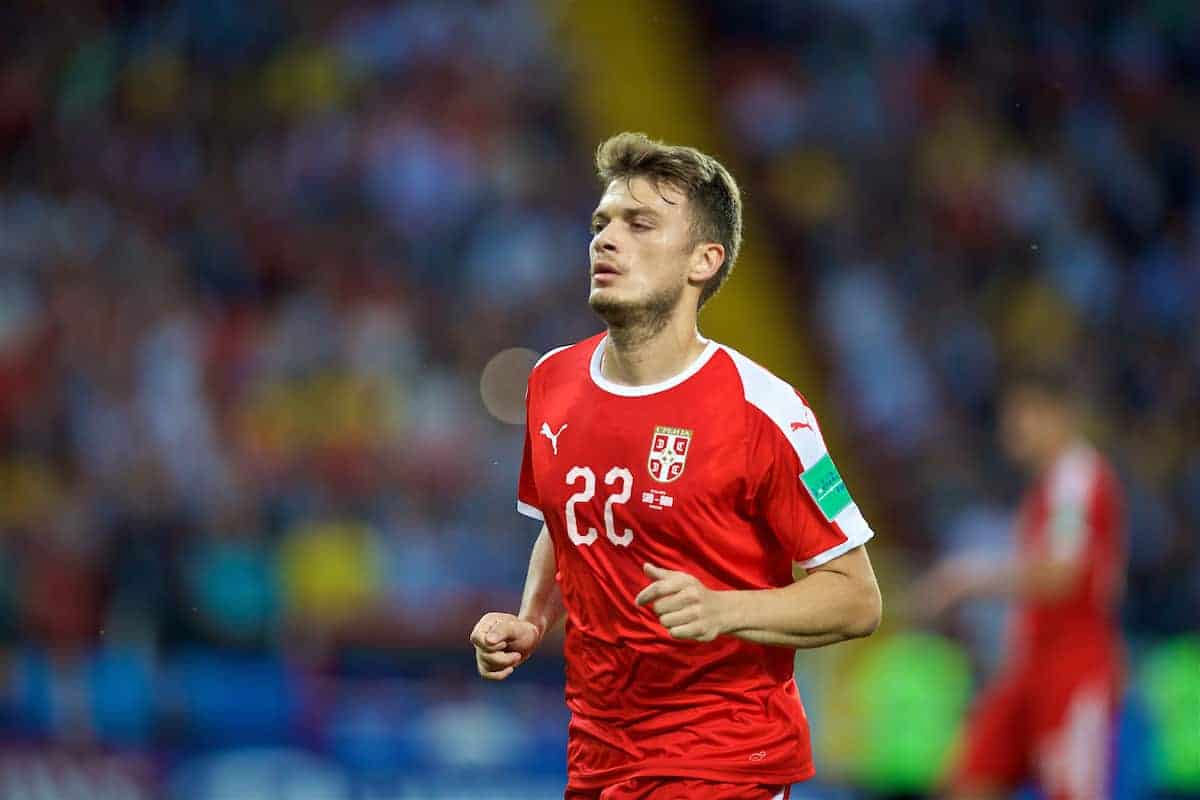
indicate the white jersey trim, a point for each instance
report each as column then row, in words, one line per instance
column 538, row 363
column 549, row 353
column 1071, row 479
column 530, row 511
column 776, row 398
column 851, row 519
column 604, row 383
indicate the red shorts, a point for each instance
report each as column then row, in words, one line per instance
column 1054, row 726
column 680, row 789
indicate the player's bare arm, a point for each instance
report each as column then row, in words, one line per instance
column 836, row 601
column 504, row 641
column 1040, row 430
column 956, row 580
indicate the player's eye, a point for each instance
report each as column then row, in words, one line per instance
column 596, row 227
column 639, row 226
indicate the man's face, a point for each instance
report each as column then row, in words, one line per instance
column 1030, row 424
column 642, row 246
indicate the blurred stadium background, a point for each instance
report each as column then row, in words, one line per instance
column 255, row 257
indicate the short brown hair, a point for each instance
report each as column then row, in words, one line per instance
column 712, row 192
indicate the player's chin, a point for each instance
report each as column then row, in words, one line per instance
column 603, row 290
column 607, row 302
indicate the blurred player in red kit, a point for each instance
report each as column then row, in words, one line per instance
column 1049, row 716
column 678, row 483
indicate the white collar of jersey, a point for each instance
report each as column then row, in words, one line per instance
column 604, row 383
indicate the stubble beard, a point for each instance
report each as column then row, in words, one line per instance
column 631, row 323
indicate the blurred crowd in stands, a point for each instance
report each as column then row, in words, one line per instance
column 962, row 189
column 256, row 255
column 959, row 190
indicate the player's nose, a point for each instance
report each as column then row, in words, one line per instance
column 603, row 242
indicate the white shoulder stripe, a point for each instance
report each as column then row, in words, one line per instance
column 1072, row 476
column 1071, row 481
column 777, row 399
column 549, row 353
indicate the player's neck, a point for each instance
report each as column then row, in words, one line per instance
column 634, row 357
column 1060, row 446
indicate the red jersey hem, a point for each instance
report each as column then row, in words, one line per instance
column 673, row 768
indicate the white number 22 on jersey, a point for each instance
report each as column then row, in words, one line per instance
column 587, row 493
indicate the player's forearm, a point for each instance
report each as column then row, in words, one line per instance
column 1033, row 581
column 794, row 641
column 541, row 602
column 819, row 609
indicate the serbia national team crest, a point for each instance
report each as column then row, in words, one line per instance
column 668, row 453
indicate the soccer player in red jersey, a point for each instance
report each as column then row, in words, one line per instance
column 678, row 483
column 1049, row 716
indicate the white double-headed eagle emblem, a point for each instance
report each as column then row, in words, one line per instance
column 668, row 452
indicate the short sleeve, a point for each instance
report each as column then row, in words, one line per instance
column 528, row 499
column 795, row 486
column 527, row 494
column 528, row 502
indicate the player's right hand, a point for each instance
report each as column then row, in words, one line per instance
column 502, row 641
column 944, row 587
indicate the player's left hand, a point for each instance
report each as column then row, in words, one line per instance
column 686, row 607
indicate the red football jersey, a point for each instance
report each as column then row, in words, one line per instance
column 720, row 472
column 1050, row 714
column 1074, row 511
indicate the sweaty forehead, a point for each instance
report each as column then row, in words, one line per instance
column 623, row 195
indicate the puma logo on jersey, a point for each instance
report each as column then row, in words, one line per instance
column 553, row 437
column 798, row 425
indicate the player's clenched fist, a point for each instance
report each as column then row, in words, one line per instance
column 502, row 641
column 686, row 607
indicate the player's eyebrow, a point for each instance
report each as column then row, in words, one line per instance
column 629, row 212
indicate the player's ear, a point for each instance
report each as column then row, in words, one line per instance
column 706, row 261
